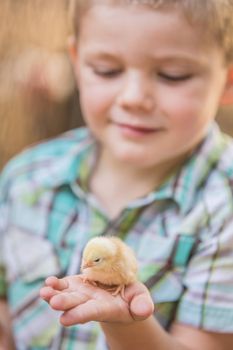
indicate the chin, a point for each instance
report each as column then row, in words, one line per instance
column 134, row 159
column 128, row 153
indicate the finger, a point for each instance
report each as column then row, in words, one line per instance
column 56, row 283
column 47, row 293
column 65, row 301
column 89, row 311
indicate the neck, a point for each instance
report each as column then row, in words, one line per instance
column 116, row 184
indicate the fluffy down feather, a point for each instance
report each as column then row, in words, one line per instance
column 109, row 263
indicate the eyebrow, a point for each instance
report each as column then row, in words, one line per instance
column 166, row 58
column 178, row 56
column 103, row 55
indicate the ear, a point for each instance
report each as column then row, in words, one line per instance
column 227, row 97
column 72, row 49
column 73, row 54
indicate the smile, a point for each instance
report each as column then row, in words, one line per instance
column 136, row 131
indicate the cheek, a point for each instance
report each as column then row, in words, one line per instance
column 188, row 118
column 183, row 103
column 188, row 124
column 186, row 107
column 95, row 101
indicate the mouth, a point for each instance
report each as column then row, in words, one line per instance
column 135, row 130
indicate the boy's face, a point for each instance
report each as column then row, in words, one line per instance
column 149, row 84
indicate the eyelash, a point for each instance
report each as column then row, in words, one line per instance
column 113, row 73
column 107, row 74
column 174, row 78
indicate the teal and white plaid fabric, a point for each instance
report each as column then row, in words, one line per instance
column 182, row 234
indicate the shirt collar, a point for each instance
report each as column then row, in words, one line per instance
column 192, row 176
column 76, row 164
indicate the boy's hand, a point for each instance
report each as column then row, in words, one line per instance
column 82, row 302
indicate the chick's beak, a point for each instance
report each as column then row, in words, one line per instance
column 87, row 264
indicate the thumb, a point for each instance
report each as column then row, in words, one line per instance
column 141, row 307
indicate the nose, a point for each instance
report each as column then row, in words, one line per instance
column 136, row 93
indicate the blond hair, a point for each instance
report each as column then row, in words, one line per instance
column 214, row 16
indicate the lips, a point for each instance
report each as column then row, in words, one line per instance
column 137, row 129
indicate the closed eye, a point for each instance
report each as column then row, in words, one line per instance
column 111, row 73
column 175, row 78
column 97, row 260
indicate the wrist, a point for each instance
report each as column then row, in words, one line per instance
column 135, row 335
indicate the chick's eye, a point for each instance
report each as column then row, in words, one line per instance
column 97, row 260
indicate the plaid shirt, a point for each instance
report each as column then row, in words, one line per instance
column 182, row 235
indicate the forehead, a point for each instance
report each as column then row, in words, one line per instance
column 139, row 29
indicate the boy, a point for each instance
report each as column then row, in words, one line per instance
column 154, row 169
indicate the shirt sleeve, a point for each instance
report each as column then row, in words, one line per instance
column 207, row 302
column 3, row 228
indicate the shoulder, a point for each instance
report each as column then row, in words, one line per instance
column 34, row 163
column 221, row 173
column 205, row 190
column 47, row 149
column 225, row 164
column 214, row 161
column 217, row 192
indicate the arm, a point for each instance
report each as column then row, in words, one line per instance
column 148, row 334
column 6, row 338
column 128, row 324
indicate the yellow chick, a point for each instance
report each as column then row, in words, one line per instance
column 108, row 262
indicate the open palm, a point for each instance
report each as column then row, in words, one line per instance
column 82, row 302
